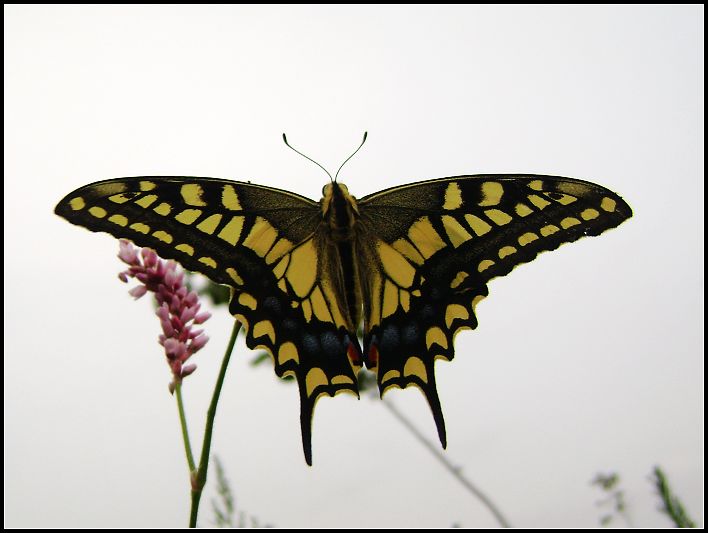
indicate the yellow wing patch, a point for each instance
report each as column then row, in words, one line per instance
column 453, row 196
column 302, row 268
column 492, row 192
column 396, row 267
column 424, row 237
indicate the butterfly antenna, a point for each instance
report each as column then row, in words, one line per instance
column 285, row 139
column 348, row 158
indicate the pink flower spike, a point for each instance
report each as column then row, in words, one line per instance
column 178, row 308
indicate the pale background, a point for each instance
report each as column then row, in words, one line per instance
column 588, row 360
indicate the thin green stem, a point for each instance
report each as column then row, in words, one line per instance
column 185, row 431
column 672, row 505
column 199, row 476
column 454, row 470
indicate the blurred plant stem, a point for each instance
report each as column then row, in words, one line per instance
column 672, row 505
column 225, row 512
column 456, row 471
column 198, row 476
column 224, row 506
column 609, row 483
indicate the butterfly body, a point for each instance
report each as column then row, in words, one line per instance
column 340, row 216
column 410, row 263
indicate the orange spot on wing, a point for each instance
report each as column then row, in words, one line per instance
column 373, row 359
column 354, row 354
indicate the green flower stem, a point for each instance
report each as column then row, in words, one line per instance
column 185, row 431
column 199, row 476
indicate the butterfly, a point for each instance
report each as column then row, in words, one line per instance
column 410, row 262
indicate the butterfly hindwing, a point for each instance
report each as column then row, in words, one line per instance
column 265, row 243
column 306, row 331
column 431, row 247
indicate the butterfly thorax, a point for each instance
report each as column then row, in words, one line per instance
column 340, row 211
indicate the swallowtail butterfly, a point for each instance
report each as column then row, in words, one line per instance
column 410, row 263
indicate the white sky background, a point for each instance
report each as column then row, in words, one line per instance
column 589, row 359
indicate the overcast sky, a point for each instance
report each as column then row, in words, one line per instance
column 589, row 359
